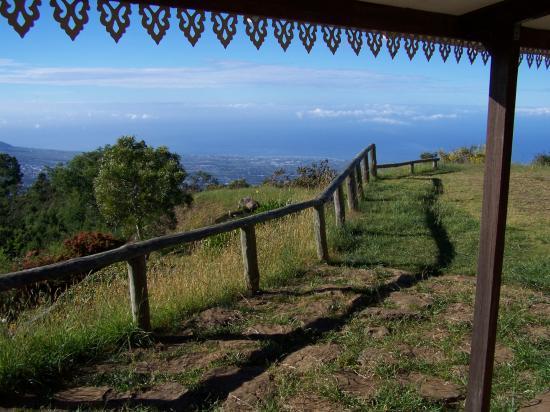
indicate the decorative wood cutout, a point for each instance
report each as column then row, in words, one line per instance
column 538, row 60
column 445, row 51
column 520, row 59
column 393, row 42
column 71, row 15
column 155, row 19
column 256, row 29
column 355, row 40
column 225, row 27
column 458, row 52
column 485, row 56
column 428, row 47
column 411, row 46
column 115, row 17
column 332, row 37
column 191, row 24
column 308, row 35
column 472, row 53
column 283, row 32
column 20, row 15
column 547, row 62
column 374, row 41
column 530, row 58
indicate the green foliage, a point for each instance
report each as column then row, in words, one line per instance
column 238, row 184
column 542, row 159
column 472, row 154
column 313, row 176
column 10, row 175
column 428, row 155
column 201, row 180
column 137, row 187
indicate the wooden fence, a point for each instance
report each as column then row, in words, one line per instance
column 357, row 173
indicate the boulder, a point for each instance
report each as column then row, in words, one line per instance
column 248, row 204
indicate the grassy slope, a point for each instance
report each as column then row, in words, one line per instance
column 426, row 223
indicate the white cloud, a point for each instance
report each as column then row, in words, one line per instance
column 534, row 111
column 37, row 126
column 385, row 114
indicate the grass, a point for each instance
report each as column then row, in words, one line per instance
column 425, row 223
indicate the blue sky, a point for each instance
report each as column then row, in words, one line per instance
column 56, row 93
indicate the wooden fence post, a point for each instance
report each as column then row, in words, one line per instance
column 352, row 191
column 412, row 168
column 365, row 168
column 373, row 170
column 339, row 208
column 434, row 164
column 321, row 233
column 137, row 279
column 250, row 259
column 359, row 175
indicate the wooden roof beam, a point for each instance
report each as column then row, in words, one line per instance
column 506, row 12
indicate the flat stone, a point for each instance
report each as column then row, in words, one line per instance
column 269, row 330
column 226, row 379
column 458, row 313
column 179, row 364
column 311, row 357
column 372, row 357
column 162, row 394
column 389, row 313
column 538, row 332
column 541, row 403
column 434, row 389
column 540, row 309
column 311, row 403
column 249, row 395
column 217, row 317
column 410, row 301
column 352, row 383
column 376, row 332
column 503, row 354
column 83, row 395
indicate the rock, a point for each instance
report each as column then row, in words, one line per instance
column 540, row 309
column 389, row 313
column 376, row 332
column 248, row 204
column 247, row 396
column 161, row 395
column 540, row 404
column 409, row 301
column 217, row 318
column 371, row 357
column 269, row 330
column 226, row 379
column 537, row 333
column 311, row 357
column 352, row 383
column 90, row 396
column 434, row 389
column 458, row 313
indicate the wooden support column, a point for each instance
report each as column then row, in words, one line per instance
column 434, row 164
column 339, row 207
column 139, row 299
column 250, row 259
column 320, row 233
column 500, row 127
column 352, row 191
column 412, row 168
column 359, row 182
column 365, row 168
column 373, row 161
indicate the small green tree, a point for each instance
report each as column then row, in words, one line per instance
column 137, row 187
column 10, row 175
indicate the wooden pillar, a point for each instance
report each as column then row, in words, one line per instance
column 139, row 299
column 372, row 153
column 250, row 259
column 359, row 182
column 500, row 126
column 365, row 169
column 352, row 191
column 434, row 164
column 412, row 168
column 320, row 233
column 339, row 207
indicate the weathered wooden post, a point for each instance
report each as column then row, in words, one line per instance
column 321, row 233
column 139, row 299
column 250, row 259
column 352, row 191
column 372, row 152
column 339, row 208
column 365, row 167
column 434, row 164
column 360, row 191
column 412, row 168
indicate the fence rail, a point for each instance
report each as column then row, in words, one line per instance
column 356, row 174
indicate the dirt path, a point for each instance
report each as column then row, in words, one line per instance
column 336, row 339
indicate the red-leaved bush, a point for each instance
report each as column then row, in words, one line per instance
column 90, row 243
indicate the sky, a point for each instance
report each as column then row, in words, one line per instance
column 78, row 95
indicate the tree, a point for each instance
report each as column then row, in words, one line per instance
column 201, row 180
column 10, row 175
column 137, row 187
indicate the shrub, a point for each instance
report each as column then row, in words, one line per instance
column 542, row 159
column 279, row 178
column 238, row 184
column 472, row 154
column 90, row 243
column 316, row 175
column 428, row 155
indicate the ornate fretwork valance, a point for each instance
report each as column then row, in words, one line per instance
column 72, row 16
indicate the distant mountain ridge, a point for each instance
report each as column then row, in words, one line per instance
column 225, row 168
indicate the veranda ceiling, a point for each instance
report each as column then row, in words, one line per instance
column 449, row 27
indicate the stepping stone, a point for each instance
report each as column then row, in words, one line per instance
column 91, row 396
column 540, row 404
column 458, row 313
column 389, row 313
column 434, row 389
column 376, row 332
column 269, row 330
column 164, row 395
column 247, row 396
column 352, row 383
column 311, row 403
column 372, row 357
column 179, row 364
column 311, row 357
column 503, row 354
column 538, row 332
column 409, row 301
column 226, row 379
column 540, row 309
column 217, row 318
